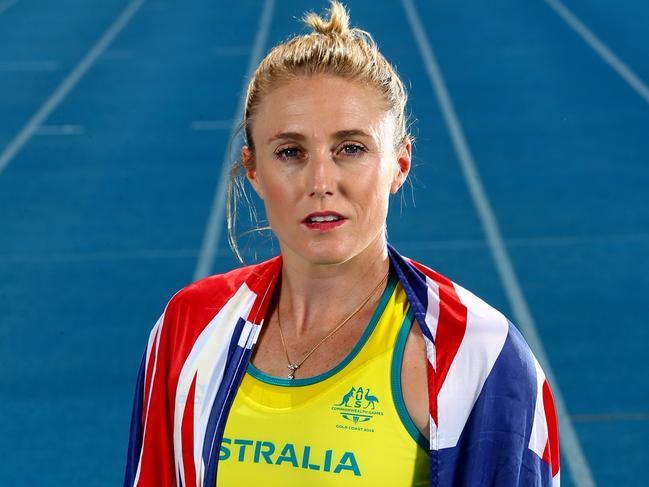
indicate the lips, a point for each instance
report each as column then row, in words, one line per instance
column 324, row 220
column 322, row 217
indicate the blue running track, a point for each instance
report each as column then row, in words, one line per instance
column 114, row 123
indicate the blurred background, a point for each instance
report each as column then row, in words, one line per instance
column 530, row 188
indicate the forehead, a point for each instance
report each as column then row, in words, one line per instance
column 321, row 105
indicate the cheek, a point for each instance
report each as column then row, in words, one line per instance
column 254, row 182
column 278, row 196
column 373, row 195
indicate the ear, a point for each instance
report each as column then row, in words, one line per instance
column 403, row 166
column 247, row 157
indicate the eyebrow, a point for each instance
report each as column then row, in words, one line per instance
column 341, row 134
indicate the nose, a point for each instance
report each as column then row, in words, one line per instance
column 322, row 175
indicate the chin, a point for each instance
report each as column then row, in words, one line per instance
column 321, row 253
column 327, row 257
column 327, row 249
column 328, row 253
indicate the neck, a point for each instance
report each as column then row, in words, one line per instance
column 308, row 290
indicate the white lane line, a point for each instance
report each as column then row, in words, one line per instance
column 4, row 6
column 600, row 48
column 28, row 66
column 577, row 464
column 68, row 84
column 214, row 226
column 211, row 125
column 59, row 130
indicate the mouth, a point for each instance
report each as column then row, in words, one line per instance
column 323, row 220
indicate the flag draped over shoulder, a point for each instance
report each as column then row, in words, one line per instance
column 492, row 415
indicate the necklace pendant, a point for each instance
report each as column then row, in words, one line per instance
column 292, row 368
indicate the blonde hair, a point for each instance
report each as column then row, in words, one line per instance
column 332, row 48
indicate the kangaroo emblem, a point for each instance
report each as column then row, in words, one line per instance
column 347, row 397
column 371, row 400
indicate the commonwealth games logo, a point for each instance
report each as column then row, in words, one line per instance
column 358, row 405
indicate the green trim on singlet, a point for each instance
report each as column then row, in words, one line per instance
column 395, row 380
column 278, row 381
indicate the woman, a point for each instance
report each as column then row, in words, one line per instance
column 339, row 362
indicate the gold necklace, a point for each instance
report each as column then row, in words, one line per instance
column 294, row 366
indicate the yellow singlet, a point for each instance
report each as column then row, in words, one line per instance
column 346, row 427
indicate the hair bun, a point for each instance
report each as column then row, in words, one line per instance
column 338, row 22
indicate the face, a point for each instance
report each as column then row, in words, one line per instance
column 325, row 164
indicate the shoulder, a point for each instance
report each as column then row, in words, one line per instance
column 484, row 381
column 215, row 290
column 193, row 307
column 451, row 307
column 470, row 334
column 446, row 311
column 495, row 340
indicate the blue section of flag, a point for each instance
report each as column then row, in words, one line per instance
column 135, row 437
column 493, row 448
column 237, row 362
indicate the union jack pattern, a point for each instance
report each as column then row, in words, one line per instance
column 492, row 415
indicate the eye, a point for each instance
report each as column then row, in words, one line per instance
column 288, row 153
column 351, row 149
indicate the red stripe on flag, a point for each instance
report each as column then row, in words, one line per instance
column 432, row 386
column 451, row 325
column 263, row 286
column 551, row 452
column 187, row 437
column 157, row 461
